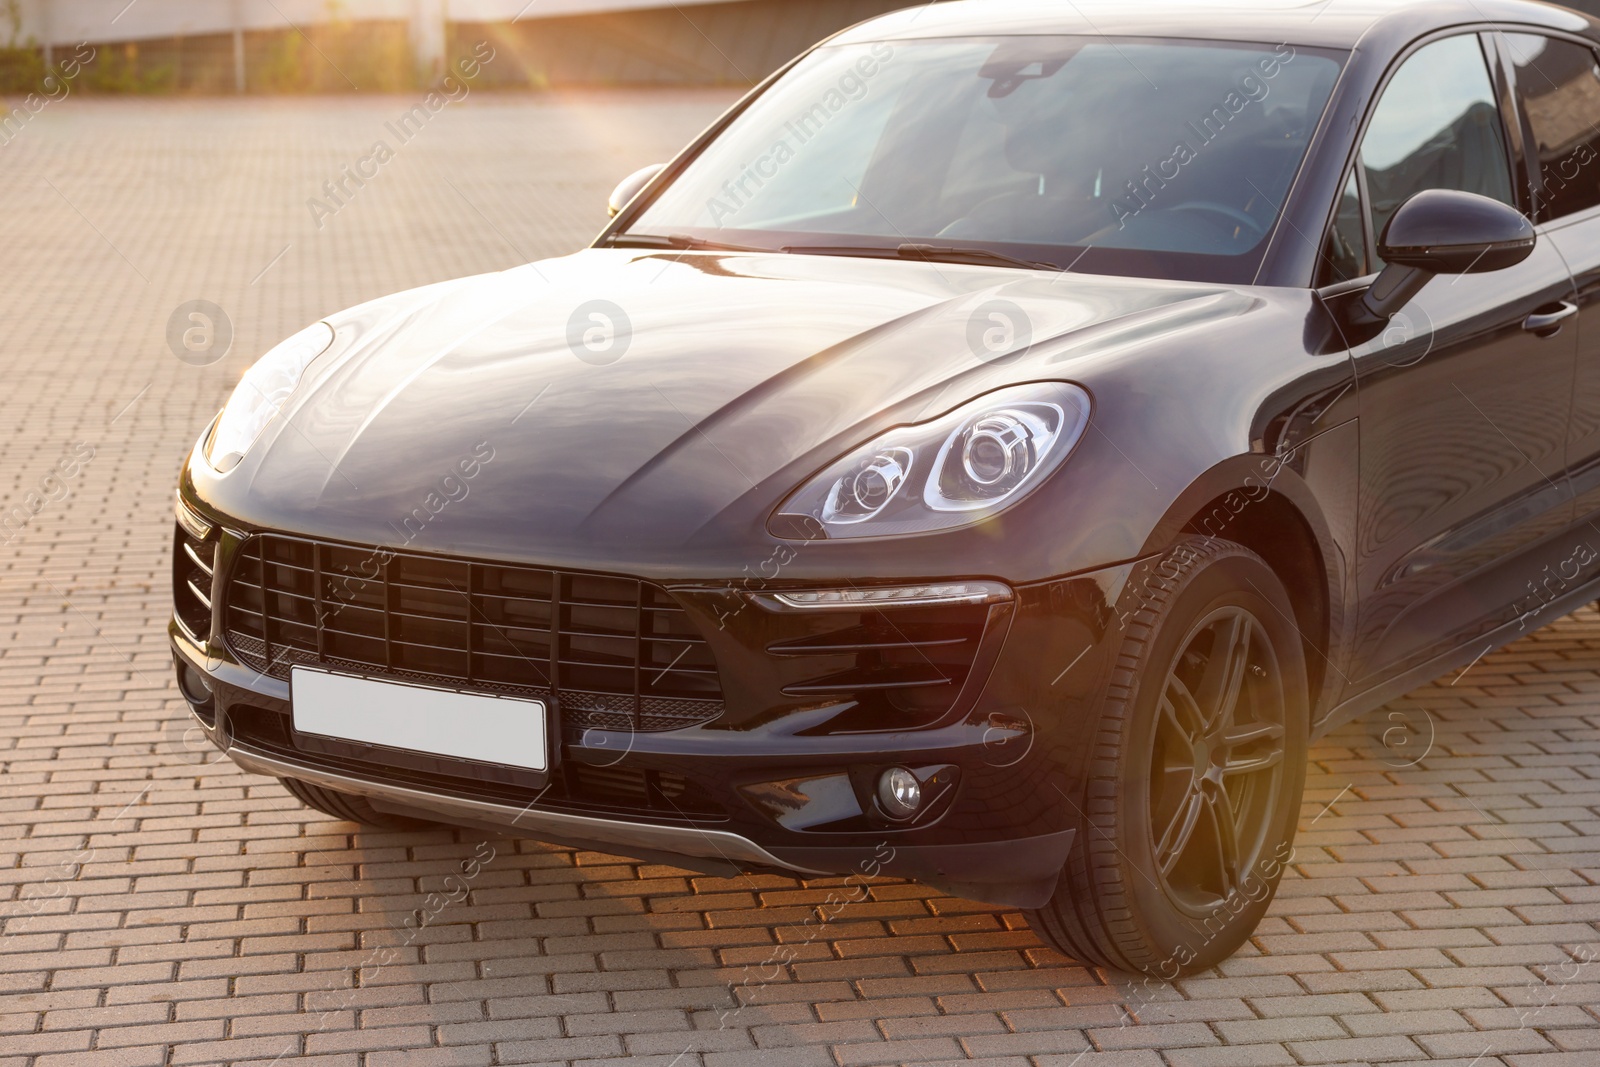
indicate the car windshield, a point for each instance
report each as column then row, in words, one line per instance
column 1154, row 158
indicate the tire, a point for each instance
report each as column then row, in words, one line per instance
column 1152, row 884
column 349, row 807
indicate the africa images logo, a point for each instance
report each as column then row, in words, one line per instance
column 852, row 86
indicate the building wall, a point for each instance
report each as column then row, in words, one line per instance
column 343, row 45
column 688, row 44
column 312, row 45
column 71, row 21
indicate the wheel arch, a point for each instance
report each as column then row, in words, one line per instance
column 1263, row 503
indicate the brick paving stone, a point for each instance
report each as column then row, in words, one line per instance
column 922, row 1050
column 1036, row 1043
column 1500, row 1042
column 157, row 906
column 814, row 1056
column 1586, row 1037
column 1374, row 1049
column 1270, row 1055
column 1294, row 1028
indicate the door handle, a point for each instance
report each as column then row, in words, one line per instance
column 1548, row 323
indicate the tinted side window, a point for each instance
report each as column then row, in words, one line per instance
column 1437, row 126
column 1560, row 87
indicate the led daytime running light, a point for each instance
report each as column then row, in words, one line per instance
column 933, row 593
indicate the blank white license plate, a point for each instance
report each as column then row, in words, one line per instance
column 436, row 721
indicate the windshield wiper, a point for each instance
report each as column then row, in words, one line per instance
column 989, row 255
column 909, row 250
column 927, row 253
column 677, row 240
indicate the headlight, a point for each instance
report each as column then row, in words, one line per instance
column 262, row 392
column 951, row 471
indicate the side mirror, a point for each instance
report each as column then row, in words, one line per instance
column 631, row 186
column 1442, row 231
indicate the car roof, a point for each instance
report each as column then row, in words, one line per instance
column 1311, row 23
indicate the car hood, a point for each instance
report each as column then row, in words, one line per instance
column 656, row 400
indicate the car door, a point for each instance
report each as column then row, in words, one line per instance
column 1558, row 98
column 1465, row 397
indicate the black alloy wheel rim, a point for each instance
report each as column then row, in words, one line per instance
column 1217, row 764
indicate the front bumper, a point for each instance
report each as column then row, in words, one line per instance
column 640, row 840
column 1026, row 862
column 766, row 795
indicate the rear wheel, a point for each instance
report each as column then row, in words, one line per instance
column 1192, row 791
column 349, row 807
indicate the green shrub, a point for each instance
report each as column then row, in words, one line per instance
column 21, row 69
column 119, row 70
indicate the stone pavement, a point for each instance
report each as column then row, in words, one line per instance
column 160, row 907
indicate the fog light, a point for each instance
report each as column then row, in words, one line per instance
column 899, row 793
column 196, row 689
column 193, row 684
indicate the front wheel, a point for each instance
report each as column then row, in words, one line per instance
column 1191, row 792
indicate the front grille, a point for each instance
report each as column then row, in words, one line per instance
column 629, row 787
column 617, row 653
column 193, row 562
